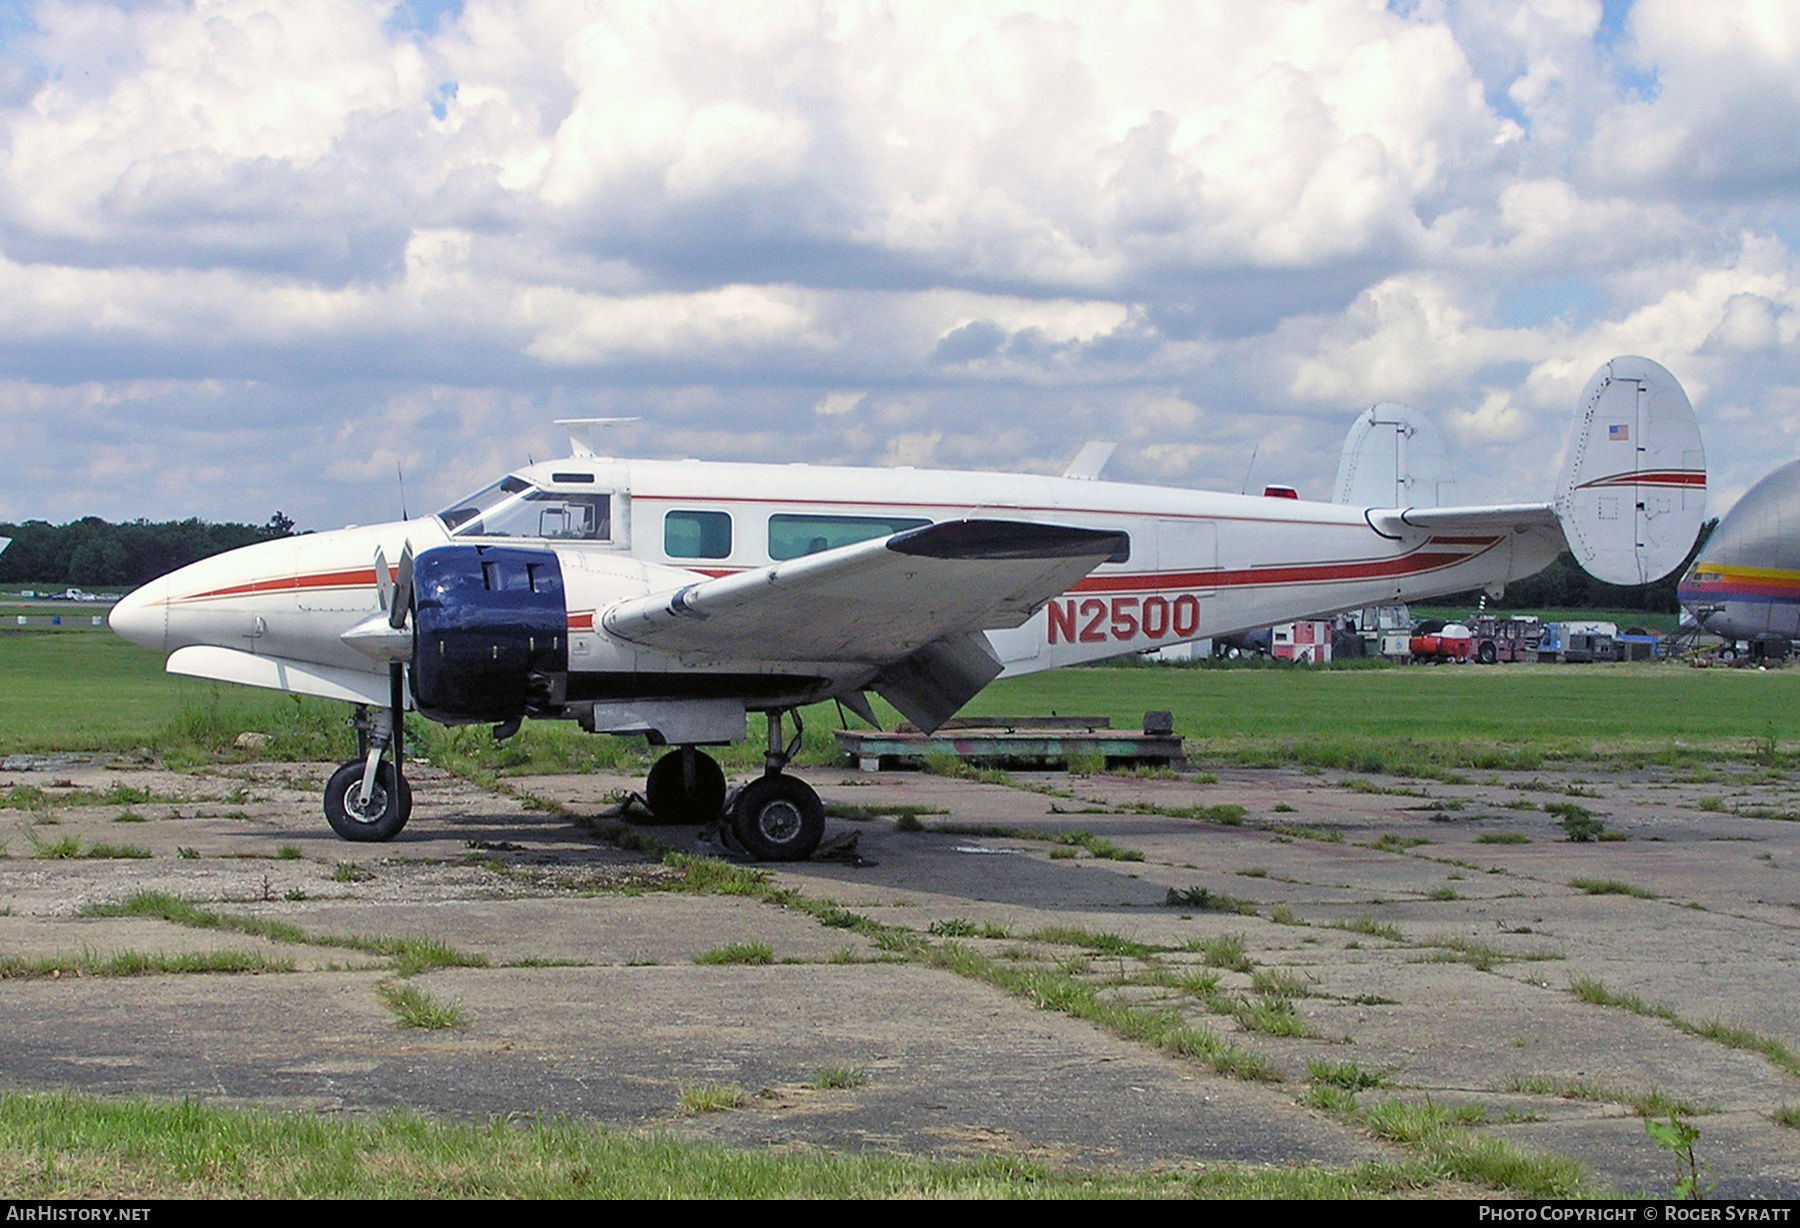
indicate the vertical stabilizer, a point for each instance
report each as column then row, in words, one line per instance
column 1393, row 457
column 1633, row 486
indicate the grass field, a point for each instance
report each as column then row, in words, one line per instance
column 74, row 690
column 1453, row 714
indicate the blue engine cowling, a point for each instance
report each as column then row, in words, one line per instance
column 491, row 634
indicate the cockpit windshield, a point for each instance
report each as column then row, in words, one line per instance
column 513, row 507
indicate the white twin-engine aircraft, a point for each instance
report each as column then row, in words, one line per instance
column 671, row 599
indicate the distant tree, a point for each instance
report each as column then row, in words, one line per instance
column 92, row 553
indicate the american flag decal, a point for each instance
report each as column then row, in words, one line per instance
column 1618, row 433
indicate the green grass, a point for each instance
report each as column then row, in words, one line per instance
column 61, row 1146
column 1651, row 1103
column 1593, row 990
column 1391, row 843
column 1347, row 1075
column 1224, row 952
column 1373, row 928
column 1202, row 899
column 711, row 1097
column 836, row 1078
column 1515, row 717
column 1611, row 886
column 414, row 1008
column 1482, row 956
column 134, row 963
column 1058, row 990
column 738, row 953
column 409, row 956
column 85, row 691
column 1465, row 1154
column 69, row 848
column 1503, row 837
column 1088, row 940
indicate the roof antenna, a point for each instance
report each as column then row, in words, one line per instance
column 401, row 474
column 1245, row 488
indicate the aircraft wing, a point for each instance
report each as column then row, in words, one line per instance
column 1505, row 518
column 878, row 601
column 279, row 674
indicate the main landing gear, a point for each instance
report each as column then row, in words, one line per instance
column 368, row 799
column 775, row 817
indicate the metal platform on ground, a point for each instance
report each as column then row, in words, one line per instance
column 1024, row 741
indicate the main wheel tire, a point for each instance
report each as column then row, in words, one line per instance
column 778, row 818
column 666, row 791
column 390, row 803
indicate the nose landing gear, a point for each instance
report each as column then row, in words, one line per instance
column 367, row 799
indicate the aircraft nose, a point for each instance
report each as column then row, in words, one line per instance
column 142, row 616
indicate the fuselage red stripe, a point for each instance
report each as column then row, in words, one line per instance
column 284, row 584
column 1303, row 573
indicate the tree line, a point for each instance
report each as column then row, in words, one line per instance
column 92, row 553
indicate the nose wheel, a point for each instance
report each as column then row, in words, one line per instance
column 368, row 800
column 380, row 816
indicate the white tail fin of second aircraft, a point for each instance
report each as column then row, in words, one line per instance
column 1393, row 457
column 1633, row 486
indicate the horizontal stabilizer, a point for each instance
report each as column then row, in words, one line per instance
column 1501, row 519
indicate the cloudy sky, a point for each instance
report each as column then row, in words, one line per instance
column 259, row 254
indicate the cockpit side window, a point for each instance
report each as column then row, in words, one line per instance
column 513, row 507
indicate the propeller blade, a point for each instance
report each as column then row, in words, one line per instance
column 384, row 584
column 403, row 589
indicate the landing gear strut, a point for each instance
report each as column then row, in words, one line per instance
column 368, row 799
column 686, row 786
column 777, row 817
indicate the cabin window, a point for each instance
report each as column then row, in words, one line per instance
column 1123, row 553
column 697, row 535
column 793, row 536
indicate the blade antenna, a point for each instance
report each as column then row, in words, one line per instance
column 401, row 474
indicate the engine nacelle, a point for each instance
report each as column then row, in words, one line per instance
column 491, row 634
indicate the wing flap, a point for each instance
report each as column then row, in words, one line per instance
column 877, row 601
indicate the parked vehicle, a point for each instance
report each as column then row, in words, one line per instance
column 1495, row 638
column 1577, row 643
column 1438, row 641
